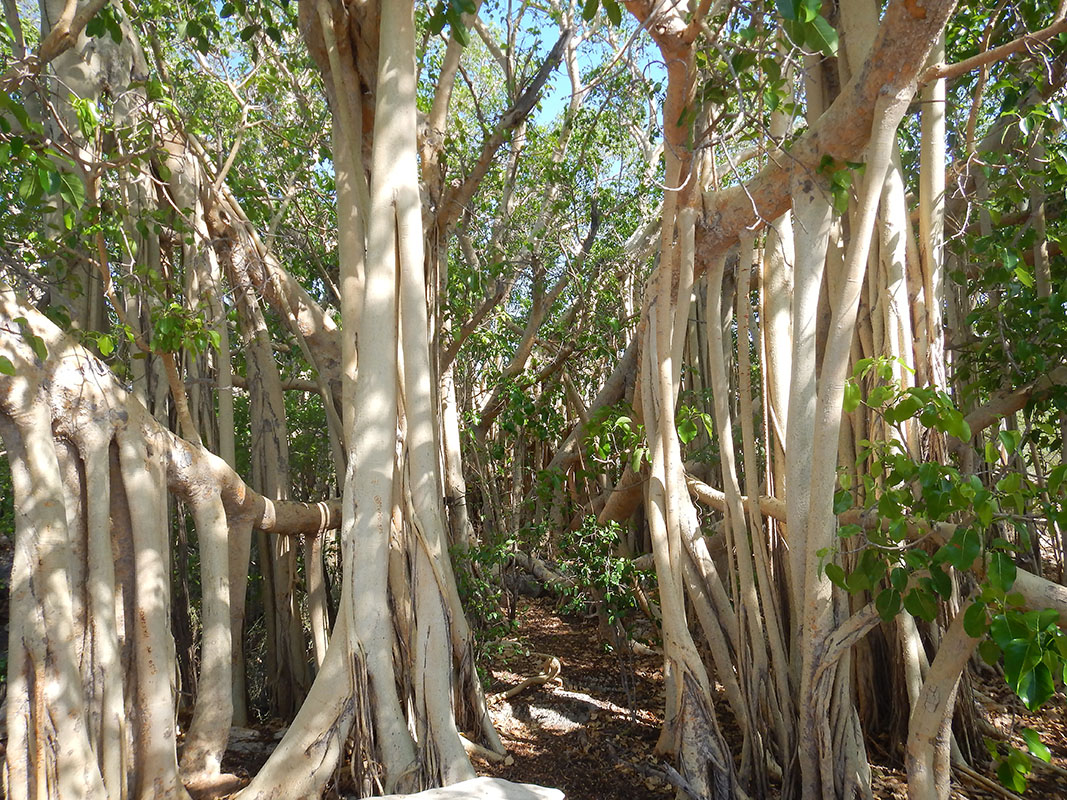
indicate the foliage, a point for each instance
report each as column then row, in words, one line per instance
column 480, row 572
column 599, row 576
column 985, row 518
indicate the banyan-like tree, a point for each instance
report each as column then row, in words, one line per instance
column 350, row 293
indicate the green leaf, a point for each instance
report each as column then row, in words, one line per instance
column 974, row 620
column 1010, row 440
column 1021, row 656
column 888, row 604
column 71, row 189
column 989, row 652
column 916, row 559
column 1005, row 628
column 611, row 7
column 837, row 575
column 1036, row 746
column 1011, row 779
column 459, row 30
column 687, row 431
column 921, row 603
column 589, row 11
column 105, row 344
column 1002, row 571
column 1046, row 618
column 971, row 545
column 941, row 582
column 787, row 8
column 37, row 345
column 1025, row 278
column 808, row 10
column 956, row 425
column 436, row 23
column 906, row 408
column 842, row 502
column 852, row 396
column 1035, row 687
column 1055, row 478
column 820, row 35
column 6, row 367
column 899, row 579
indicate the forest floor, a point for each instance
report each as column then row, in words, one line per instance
column 592, row 730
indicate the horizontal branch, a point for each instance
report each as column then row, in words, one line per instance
column 949, row 71
column 903, row 43
column 1009, row 402
column 86, row 400
column 288, row 385
column 713, row 498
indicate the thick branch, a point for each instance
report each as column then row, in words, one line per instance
column 83, row 393
column 62, row 36
column 905, row 38
column 1011, row 401
column 1024, row 42
column 456, row 199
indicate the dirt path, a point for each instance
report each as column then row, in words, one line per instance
column 589, row 732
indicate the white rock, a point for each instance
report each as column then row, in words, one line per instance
column 483, row 789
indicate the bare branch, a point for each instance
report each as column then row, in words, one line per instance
column 456, row 199
column 1024, row 42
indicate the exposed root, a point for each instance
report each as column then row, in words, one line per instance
column 212, row 786
column 550, row 669
column 982, row 782
column 484, row 753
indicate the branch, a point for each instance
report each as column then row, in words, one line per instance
column 84, row 395
column 713, row 498
column 950, row 71
column 1011, row 401
column 490, row 302
column 63, row 36
column 456, row 199
column 905, row 37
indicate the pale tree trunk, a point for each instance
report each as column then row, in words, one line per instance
column 932, row 222
column 930, row 726
column 824, row 772
column 62, row 742
column 388, row 518
column 690, row 726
